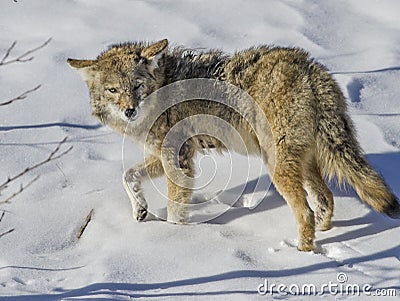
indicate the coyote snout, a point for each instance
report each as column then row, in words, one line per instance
column 130, row 113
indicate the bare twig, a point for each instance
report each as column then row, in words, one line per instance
column 21, row 189
column 8, row 52
column 7, row 232
column 85, row 223
column 53, row 156
column 19, row 97
column 25, row 57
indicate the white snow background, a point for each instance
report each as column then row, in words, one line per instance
column 226, row 258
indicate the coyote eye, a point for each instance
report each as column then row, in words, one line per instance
column 112, row 90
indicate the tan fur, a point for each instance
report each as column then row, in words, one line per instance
column 312, row 135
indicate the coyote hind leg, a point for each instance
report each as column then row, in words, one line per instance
column 288, row 181
column 320, row 195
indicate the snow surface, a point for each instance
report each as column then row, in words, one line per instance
column 226, row 258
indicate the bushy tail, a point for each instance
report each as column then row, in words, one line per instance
column 340, row 155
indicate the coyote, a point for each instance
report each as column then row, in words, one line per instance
column 312, row 137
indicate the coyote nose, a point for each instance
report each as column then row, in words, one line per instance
column 130, row 113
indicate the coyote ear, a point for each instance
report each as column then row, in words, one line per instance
column 83, row 68
column 153, row 53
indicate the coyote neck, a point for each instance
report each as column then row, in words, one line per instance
column 181, row 64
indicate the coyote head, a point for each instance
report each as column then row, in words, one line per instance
column 120, row 78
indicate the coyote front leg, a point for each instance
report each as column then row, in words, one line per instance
column 152, row 167
column 179, row 169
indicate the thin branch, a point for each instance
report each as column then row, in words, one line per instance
column 8, row 52
column 19, row 97
column 53, row 156
column 85, row 223
column 21, row 189
column 25, row 57
column 7, row 232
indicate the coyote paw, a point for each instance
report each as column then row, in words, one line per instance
column 306, row 245
column 322, row 222
column 177, row 215
column 323, row 226
column 139, row 205
column 139, row 213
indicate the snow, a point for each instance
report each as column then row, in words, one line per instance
column 226, row 258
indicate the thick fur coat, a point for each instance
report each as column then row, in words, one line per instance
column 308, row 135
